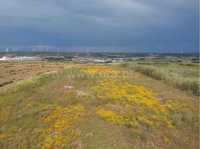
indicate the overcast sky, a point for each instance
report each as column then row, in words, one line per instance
column 135, row 24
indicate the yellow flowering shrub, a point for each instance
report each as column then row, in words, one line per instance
column 60, row 131
column 3, row 136
column 99, row 69
column 116, row 118
column 183, row 112
column 114, row 90
column 146, row 108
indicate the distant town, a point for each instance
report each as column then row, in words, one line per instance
column 95, row 57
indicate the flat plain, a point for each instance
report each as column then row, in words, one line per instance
column 62, row 105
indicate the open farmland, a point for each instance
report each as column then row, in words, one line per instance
column 93, row 106
column 15, row 71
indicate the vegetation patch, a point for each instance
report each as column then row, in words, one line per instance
column 144, row 107
column 184, row 77
column 60, row 131
column 57, row 110
column 100, row 70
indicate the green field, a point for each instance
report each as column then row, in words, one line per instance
column 179, row 75
column 93, row 106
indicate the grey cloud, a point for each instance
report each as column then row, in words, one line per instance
column 108, row 9
column 128, row 20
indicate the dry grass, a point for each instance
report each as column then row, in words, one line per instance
column 67, row 110
column 14, row 71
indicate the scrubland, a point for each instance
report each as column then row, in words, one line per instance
column 93, row 106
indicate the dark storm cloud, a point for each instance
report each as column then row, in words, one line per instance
column 138, row 24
